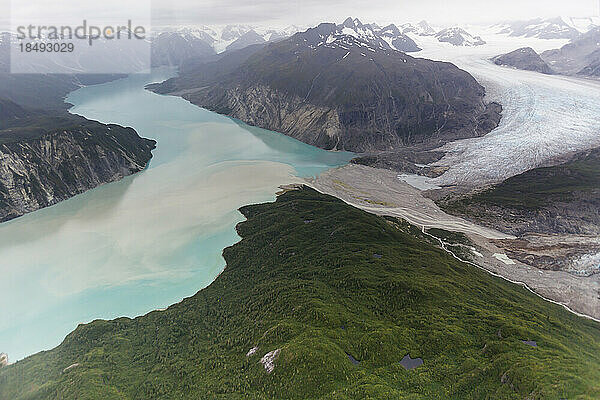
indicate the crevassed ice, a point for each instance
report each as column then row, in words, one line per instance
column 544, row 117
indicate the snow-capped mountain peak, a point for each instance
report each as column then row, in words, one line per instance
column 551, row 28
column 389, row 37
column 221, row 37
column 352, row 23
column 459, row 37
column 233, row 32
column 582, row 24
column 391, row 30
column 204, row 33
column 425, row 29
column 421, row 29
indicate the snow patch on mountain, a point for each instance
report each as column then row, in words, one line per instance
column 459, row 37
column 421, row 29
column 583, row 24
column 370, row 35
column 553, row 28
column 220, row 37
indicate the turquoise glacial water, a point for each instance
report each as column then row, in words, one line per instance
column 148, row 241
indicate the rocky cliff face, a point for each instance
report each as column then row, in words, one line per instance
column 3, row 360
column 260, row 105
column 367, row 128
column 337, row 91
column 42, row 170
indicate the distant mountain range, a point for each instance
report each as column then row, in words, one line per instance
column 459, row 37
column 344, row 87
column 580, row 57
column 231, row 37
column 421, row 29
column 172, row 46
column 49, row 155
column 389, row 37
column 104, row 57
column 552, row 28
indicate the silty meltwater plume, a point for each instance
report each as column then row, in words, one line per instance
column 147, row 241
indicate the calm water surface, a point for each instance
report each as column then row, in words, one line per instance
column 147, row 241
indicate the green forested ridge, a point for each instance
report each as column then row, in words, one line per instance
column 563, row 198
column 319, row 280
column 541, row 187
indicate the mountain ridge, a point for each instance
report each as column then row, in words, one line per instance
column 524, row 58
column 579, row 57
column 49, row 155
column 321, row 300
column 550, row 28
column 47, row 159
column 337, row 90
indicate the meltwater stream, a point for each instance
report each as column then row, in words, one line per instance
column 143, row 243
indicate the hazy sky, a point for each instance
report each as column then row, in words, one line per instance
column 311, row 12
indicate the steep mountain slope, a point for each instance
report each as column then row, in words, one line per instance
column 48, row 155
column 322, row 300
column 592, row 69
column 47, row 159
column 560, row 199
column 173, row 48
column 331, row 88
column 397, row 40
column 247, row 39
column 459, row 37
column 422, row 29
column 10, row 111
column 580, row 57
column 40, row 91
column 525, row 58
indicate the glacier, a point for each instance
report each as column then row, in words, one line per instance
column 544, row 117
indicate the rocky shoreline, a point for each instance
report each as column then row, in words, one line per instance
column 54, row 166
column 334, row 96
